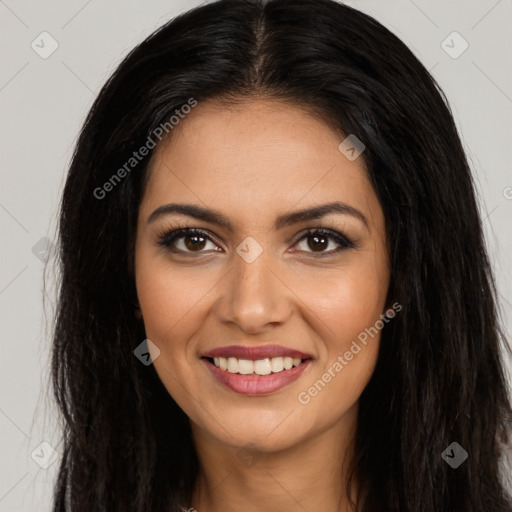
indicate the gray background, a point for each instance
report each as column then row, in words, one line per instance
column 43, row 103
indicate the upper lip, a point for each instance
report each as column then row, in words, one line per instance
column 255, row 353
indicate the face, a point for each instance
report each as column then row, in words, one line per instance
column 257, row 286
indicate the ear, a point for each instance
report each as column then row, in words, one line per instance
column 137, row 313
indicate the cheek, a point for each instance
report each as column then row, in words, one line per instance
column 347, row 301
column 346, row 310
column 170, row 300
column 171, row 307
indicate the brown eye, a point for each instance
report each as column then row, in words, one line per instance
column 318, row 240
column 186, row 240
column 189, row 240
column 318, row 243
column 194, row 242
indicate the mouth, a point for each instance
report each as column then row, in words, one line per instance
column 256, row 370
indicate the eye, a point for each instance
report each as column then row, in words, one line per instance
column 319, row 239
column 185, row 240
column 189, row 240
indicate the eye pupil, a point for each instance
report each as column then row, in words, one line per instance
column 320, row 242
column 195, row 244
column 195, row 241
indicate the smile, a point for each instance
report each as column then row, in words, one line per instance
column 256, row 370
column 259, row 367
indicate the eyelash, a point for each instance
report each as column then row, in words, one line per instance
column 167, row 238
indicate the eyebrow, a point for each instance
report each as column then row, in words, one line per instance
column 287, row 219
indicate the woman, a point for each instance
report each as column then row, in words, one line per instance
column 275, row 292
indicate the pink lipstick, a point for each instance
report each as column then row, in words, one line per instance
column 256, row 370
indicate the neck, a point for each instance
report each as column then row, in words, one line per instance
column 310, row 475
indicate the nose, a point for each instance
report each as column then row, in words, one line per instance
column 253, row 295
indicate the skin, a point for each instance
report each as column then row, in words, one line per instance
column 253, row 162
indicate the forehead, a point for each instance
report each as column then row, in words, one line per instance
column 260, row 156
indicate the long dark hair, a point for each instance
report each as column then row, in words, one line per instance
column 439, row 377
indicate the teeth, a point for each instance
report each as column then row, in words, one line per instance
column 245, row 367
column 260, row 367
column 277, row 364
column 232, row 365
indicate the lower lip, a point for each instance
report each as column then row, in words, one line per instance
column 260, row 384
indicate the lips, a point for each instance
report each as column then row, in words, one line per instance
column 256, row 370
